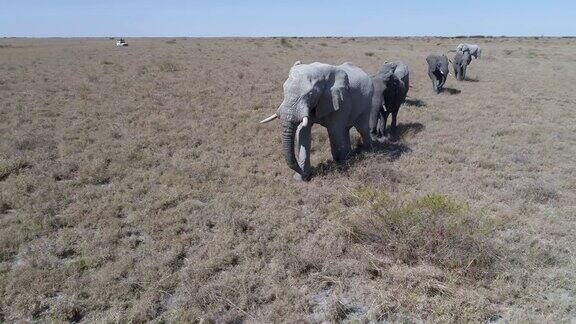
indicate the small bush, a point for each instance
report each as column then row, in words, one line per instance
column 540, row 192
column 4, row 208
column 8, row 167
column 433, row 229
column 258, row 106
column 369, row 54
column 168, row 67
column 286, row 43
column 141, row 70
column 83, row 92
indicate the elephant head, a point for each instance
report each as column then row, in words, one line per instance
column 437, row 70
column 311, row 92
column 442, row 65
column 460, row 63
column 383, row 81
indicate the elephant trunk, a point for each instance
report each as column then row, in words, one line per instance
column 288, row 136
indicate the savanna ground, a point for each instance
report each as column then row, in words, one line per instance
column 137, row 185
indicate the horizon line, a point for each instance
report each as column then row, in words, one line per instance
column 291, row 36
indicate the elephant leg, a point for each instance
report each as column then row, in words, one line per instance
column 303, row 143
column 441, row 84
column 374, row 120
column 438, row 85
column 366, row 138
column 339, row 143
column 393, row 125
column 434, row 86
column 464, row 72
column 374, row 116
column 362, row 126
column 382, row 126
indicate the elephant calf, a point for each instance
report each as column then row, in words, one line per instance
column 336, row 97
column 460, row 63
column 437, row 71
column 391, row 85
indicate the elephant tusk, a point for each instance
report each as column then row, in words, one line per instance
column 304, row 121
column 269, row 119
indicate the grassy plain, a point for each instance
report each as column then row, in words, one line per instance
column 136, row 184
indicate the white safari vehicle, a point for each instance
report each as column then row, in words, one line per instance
column 121, row 42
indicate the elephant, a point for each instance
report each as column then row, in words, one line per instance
column 336, row 97
column 460, row 63
column 474, row 50
column 391, row 85
column 437, row 70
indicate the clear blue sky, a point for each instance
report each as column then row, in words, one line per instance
column 43, row 18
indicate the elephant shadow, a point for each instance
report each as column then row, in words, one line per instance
column 392, row 150
column 452, row 91
column 414, row 103
column 402, row 130
column 472, row 79
column 391, row 147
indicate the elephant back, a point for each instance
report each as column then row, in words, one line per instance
column 360, row 81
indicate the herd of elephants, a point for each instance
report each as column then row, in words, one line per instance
column 344, row 96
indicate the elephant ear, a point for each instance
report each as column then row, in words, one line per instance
column 336, row 97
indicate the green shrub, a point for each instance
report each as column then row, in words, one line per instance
column 285, row 42
column 433, row 229
column 168, row 67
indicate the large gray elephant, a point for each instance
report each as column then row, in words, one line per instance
column 437, row 71
column 336, row 97
column 474, row 50
column 391, row 85
column 460, row 63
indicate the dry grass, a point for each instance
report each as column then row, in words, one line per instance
column 432, row 230
column 136, row 184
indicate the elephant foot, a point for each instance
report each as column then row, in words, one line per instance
column 365, row 147
column 304, row 178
